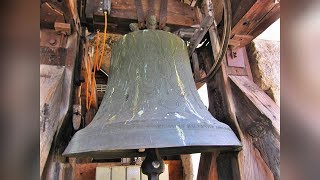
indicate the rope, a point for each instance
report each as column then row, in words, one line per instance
column 88, row 81
column 90, row 77
column 96, row 57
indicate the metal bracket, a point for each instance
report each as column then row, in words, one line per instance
column 235, row 57
column 107, row 6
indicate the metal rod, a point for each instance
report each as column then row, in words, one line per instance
column 153, row 177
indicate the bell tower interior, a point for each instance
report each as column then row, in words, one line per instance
column 119, row 90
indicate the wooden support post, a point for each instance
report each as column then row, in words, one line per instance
column 151, row 8
column 193, row 3
column 163, row 14
column 51, row 82
column 198, row 36
column 253, row 162
column 251, row 18
column 56, row 85
column 208, row 167
column 140, row 15
column 259, row 116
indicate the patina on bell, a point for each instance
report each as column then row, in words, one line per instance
column 151, row 102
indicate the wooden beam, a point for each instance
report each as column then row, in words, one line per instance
column 193, row 3
column 225, row 160
column 251, row 18
column 208, row 169
column 150, row 8
column 163, row 14
column 51, row 81
column 140, row 15
column 124, row 12
column 259, row 116
column 56, row 98
column 198, row 35
column 62, row 27
column 248, row 164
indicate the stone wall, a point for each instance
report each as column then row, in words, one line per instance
column 264, row 59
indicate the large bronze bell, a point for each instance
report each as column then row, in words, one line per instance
column 151, row 102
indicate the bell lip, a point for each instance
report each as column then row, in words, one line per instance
column 110, row 143
column 164, row 151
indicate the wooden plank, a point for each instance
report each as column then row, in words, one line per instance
column 270, row 18
column 193, row 3
column 103, row 173
column 208, row 167
column 140, row 14
column 163, row 14
column 50, row 14
column 217, row 107
column 228, row 159
column 198, row 35
column 252, row 17
column 51, row 82
column 133, row 172
column 175, row 169
column 118, row 172
column 259, row 116
column 217, row 10
column 195, row 64
column 88, row 170
column 62, row 27
column 221, row 105
column 124, row 12
column 53, row 119
column 240, row 8
column 150, row 8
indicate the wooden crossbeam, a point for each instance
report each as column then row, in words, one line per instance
column 163, row 14
column 251, row 18
column 198, row 35
column 140, row 15
column 259, row 116
column 124, row 12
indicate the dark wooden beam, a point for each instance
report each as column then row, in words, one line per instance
column 248, row 163
column 163, row 14
column 193, row 3
column 208, row 169
column 51, row 81
column 56, row 84
column 251, row 18
column 259, row 116
column 206, row 23
column 124, row 12
column 140, row 15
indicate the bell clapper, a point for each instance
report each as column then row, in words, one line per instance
column 153, row 165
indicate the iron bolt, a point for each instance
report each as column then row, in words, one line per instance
column 100, row 9
column 156, row 164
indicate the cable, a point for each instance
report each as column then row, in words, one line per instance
column 226, row 34
column 96, row 57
